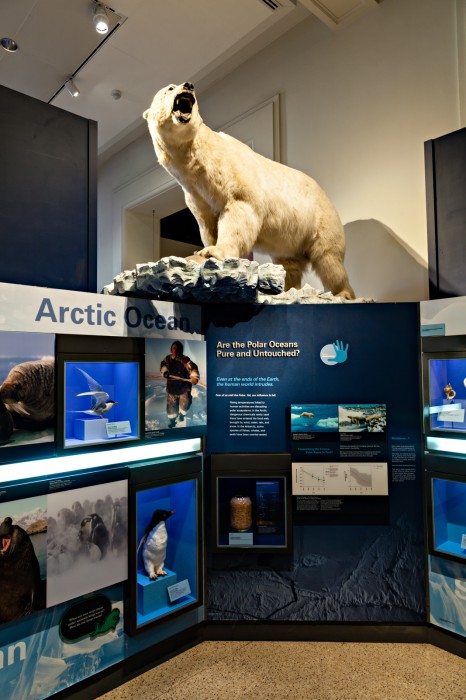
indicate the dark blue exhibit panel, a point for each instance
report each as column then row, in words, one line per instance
column 350, row 565
column 263, row 361
column 449, row 517
column 87, row 383
column 178, row 588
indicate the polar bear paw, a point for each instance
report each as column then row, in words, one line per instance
column 212, row 251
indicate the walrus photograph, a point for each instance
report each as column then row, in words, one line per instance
column 27, row 388
column 87, row 540
column 23, row 528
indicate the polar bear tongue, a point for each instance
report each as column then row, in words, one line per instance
column 182, row 107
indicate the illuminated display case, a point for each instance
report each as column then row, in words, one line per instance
column 444, row 394
column 165, row 559
column 446, row 387
column 447, row 516
column 100, row 391
column 251, row 502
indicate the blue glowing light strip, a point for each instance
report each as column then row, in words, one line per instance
column 446, row 445
column 81, row 461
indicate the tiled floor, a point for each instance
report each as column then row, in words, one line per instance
column 302, row 671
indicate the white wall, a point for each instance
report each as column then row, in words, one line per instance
column 357, row 105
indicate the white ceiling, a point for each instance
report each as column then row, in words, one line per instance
column 153, row 43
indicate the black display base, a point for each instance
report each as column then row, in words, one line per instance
column 134, row 666
column 448, row 641
column 260, row 631
column 313, row 632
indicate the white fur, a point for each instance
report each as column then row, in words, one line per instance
column 242, row 200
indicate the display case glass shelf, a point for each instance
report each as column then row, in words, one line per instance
column 251, row 502
column 447, row 516
column 446, row 386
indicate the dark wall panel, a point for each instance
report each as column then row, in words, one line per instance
column 446, row 214
column 48, row 195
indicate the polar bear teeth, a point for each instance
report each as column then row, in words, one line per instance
column 182, row 116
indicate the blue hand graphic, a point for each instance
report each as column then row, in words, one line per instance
column 341, row 353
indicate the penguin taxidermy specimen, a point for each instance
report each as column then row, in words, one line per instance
column 101, row 402
column 154, row 544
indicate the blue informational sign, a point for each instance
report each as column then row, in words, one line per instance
column 52, row 650
column 353, row 371
column 263, row 360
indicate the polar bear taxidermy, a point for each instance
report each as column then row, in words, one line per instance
column 242, row 200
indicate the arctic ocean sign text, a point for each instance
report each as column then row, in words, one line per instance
column 94, row 315
column 40, row 310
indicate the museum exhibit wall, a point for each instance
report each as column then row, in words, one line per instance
column 357, row 511
column 356, row 107
column 312, row 420
column 443, row 345
column 79, row 487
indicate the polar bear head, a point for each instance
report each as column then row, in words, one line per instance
column 173, row 117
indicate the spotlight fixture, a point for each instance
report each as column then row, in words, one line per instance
column 71, row 87
column 100, row 18
column 9, row 44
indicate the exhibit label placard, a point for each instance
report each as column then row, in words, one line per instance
column 43, row 310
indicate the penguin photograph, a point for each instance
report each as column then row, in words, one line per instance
column 94, row 536
column 154, row 543
column 97, row 394
column 80, row 556
column 27, row 388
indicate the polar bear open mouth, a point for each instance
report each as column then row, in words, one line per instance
column 183, row 106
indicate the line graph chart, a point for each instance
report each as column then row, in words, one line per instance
column 340, row 479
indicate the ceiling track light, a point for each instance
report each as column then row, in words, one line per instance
column 8, row 44
column 71, row 87
column 101, row 23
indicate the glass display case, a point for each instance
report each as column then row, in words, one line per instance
column 446, row 393
column 100, row 392
column 447, row 516
column 444, row 396
column 165, row 570
column 101, row 402
column 251, row 502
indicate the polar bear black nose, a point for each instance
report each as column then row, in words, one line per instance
column 188, row 86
